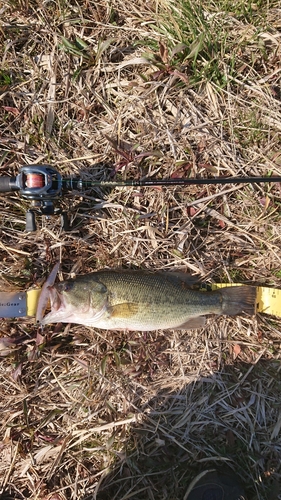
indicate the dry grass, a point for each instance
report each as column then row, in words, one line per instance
column 95, row 414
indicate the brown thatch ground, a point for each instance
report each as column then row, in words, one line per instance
column 105, row 88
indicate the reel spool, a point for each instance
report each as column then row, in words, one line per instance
column 34, row 181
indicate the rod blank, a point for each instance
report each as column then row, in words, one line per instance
column 176, row 181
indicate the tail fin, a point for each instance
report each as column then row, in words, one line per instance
column 238, row 300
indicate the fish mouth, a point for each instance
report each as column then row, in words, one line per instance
column 56, row 299
column 45, row 293
column 58, row 307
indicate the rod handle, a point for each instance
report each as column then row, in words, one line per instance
column 7, row 184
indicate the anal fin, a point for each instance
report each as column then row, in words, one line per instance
column 198, row 322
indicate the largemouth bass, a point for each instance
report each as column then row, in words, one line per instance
column 143, row 301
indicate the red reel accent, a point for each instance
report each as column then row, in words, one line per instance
column 35, row 181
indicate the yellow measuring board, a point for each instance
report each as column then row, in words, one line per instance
column 32, row 297
column 268, row 299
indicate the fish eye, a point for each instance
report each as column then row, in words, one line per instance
column 68, row 286
column 65, row 286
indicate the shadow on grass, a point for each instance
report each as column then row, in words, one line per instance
column 229, row 421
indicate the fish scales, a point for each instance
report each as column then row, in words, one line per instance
column 159, row 294
column 139, row 300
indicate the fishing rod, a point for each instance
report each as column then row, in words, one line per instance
column 43, row 185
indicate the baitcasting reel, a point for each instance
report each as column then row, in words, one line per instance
column 42, row 185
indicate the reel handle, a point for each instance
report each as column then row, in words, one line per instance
column 30, row 221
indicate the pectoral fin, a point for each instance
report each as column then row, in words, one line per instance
column 192, row 323
column 124, row 310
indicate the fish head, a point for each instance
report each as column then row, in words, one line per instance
column 76, row 301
